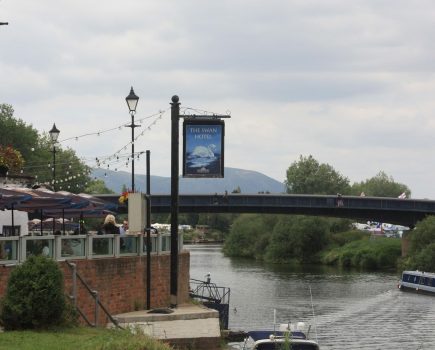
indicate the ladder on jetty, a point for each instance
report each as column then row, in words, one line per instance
column 212, row 296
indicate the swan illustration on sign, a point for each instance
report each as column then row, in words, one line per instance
column 203, row 150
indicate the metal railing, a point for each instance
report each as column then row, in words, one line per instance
column 93, row 293
column 15, row 249
column 212, row 296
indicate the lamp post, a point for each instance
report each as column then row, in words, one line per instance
column 132, row 101
column 54, row 134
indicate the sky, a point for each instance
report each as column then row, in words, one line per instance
column 350, row 82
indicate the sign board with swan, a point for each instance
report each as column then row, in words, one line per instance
column 203, row 151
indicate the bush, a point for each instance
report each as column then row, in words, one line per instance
column 424, row 260
column 34, row 296
column 342, row 238
column 377, row 254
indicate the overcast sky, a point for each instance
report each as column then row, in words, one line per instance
column 350, row 82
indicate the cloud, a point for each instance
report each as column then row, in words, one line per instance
column 350, row 82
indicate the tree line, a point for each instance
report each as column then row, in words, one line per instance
column 37, row 151
column 302, row 239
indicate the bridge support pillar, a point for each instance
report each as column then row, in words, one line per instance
column 405, row 242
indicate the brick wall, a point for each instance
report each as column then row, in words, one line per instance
column 121, row 283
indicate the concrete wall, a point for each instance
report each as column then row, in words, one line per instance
column 121, row 283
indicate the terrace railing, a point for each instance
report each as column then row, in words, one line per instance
column 15, row 249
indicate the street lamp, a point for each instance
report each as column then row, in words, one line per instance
column 132, row 101
column 54, row 134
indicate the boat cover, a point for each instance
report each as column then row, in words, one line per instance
column 258, row 335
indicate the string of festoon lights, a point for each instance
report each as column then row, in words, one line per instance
column 113, row 161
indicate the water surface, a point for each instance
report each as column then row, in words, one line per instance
column 352, row 310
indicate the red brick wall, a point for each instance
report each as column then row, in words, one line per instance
column 121, row 283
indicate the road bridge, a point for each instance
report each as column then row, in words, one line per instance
column 398, row 211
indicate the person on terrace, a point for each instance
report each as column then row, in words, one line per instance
column 109, row 226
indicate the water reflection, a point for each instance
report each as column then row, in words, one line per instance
column 353, row 310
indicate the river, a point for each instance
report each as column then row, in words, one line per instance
column 352, row 310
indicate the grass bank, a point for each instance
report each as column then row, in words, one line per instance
column 79, row 338
column 375, row 254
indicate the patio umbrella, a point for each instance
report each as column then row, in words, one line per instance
column 9, row 197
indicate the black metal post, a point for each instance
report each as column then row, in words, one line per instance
column 175, row 116
column 54, row 167
column 148, row 220
column 12, row 220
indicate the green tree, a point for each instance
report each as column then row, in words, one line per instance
column 72, row 174
column 308, row 176
column 98, row 187
column 16, row 133
column 380, row 185
column 218, row 221
column 249, row 236
column 422, row 236
column 188, row 219
column 423, row 260
column 297, row 238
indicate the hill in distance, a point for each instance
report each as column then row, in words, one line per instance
column 248, row 181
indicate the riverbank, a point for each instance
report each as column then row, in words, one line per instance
column 304, row 240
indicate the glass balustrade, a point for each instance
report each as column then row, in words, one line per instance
column 15, row 249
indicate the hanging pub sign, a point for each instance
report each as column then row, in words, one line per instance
column 203, row 151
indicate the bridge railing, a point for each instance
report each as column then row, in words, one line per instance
column 15, row 249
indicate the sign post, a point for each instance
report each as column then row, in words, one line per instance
column 203, row 157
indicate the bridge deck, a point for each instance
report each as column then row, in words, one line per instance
column 393, row 210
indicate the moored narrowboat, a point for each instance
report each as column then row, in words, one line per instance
column 418, row 281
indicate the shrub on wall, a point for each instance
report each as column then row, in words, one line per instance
column 34, row 296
